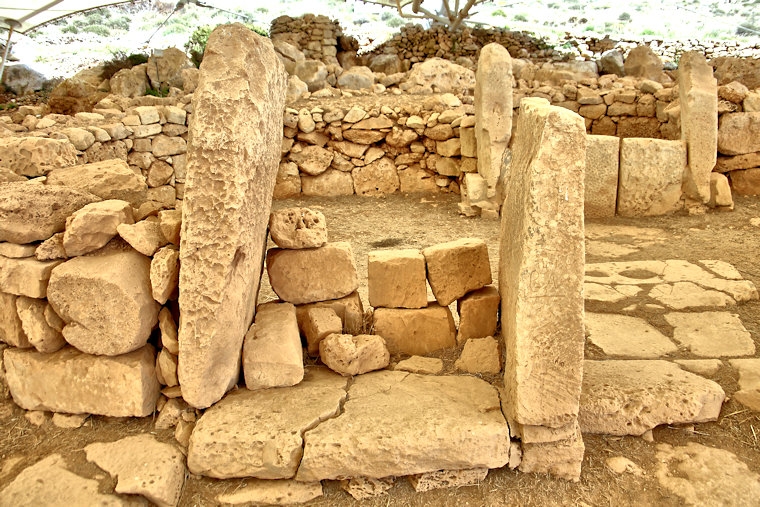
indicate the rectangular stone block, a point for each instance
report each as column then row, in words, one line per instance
column 396, row 279
column 349, row 309
column 478, row 314
column 602, row 163
column 314, row 274
column 542, row 266
column 25, row 277
column 651, row 174
column 74, row 382
column 272, row 354
column 456, row 268
column 231, row 168
column 698, row 94
column 316, row 324
column 415, row 332
column 11, row 328
column 561, row 459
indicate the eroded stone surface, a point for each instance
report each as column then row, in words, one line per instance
column 259, row 433
column 281, row 492
column 94, row 225
column 49, row 482
column 272, row 355
column 354, row 355
column 632, row 397
column 621, row 335
column 419, row 364
column 480, row 355
column 711, row 334
column 36, row 156
column 35, row 212
column 396, row 279
column 231, row 168
column 456, row 268
column 541, row 266
column 109, row 179
column 315, row 274
column 142, row 466
column 41, row 335
column 25, row 277
column 121, row 386
column 447, row 479
column 478, row 314
column 700, row 475
column 601, row 181
column 105, row 299
column 418, row 331
column 397, row 423
column 297, row 228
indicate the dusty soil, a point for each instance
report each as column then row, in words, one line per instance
column 416, row 222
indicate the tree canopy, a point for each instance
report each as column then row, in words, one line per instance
column 450, row 13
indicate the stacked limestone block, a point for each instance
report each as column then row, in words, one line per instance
column 457, row 271
column 320, row 279
column 84, row 276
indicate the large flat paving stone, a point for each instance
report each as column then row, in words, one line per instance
column 259, row 433
column 397, row 423
column 621, row 335
column 632, row 397
column 711, row 334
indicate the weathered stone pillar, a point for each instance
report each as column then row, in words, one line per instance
column 232, row 161
column 541, row 270
column 493, row 111
column 698, row 93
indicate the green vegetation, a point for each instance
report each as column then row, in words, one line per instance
column 120, row 61
column 624, row 17
column 99, row 21
column 500, row 13
column 196, row 46
column 521, row 17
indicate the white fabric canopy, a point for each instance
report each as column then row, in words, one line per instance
column 29, row 14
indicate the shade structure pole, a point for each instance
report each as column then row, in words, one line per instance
column 7, row 49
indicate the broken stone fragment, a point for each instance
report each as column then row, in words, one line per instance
column 49, row 482
column 95, row 225
column 315, row 274
column 353, row 355
column 297, row 228
column 36, row 156
column 349, row 309
column 35, row 212
column 25, row 277
column 11, row 327
column 144, row 236
column 105, row 299
column 241, row 436
column 51, row 249
column 561, row 459
column 447, row 479
column 142, row 466
column 41, row 335
column 121, row 386
column 422, row 365
column 456, row 268
column 480, row 355
column 396, row 279
column 418, row 331
column 363, row 488
column 317, row 323
column 164, row 273
column 272, row 354
column 109, row 179
column 168, row 331
column 278, row 492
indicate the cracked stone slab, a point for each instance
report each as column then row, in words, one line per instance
column 49, row 482
column 259, row 433
column 704, row 367
column 280, row 492
column 711, row 334
column 395, row 423
column 607, row 294
column 697, row 473
column 626, row 273
column 621, row 335
column 632, row 397
column 142, row 466
column 682, row 295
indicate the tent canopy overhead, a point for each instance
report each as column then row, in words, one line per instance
column 24, row 16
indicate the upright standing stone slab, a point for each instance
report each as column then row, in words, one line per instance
column 493, row 110
column 232, row 160
column 602, row 164
column 542, row 268
column 698, row 93
column 651, row 175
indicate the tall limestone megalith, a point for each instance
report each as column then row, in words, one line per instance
column 493, row 110
column 698, row 93
column 541, row 269
column 232, row 161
